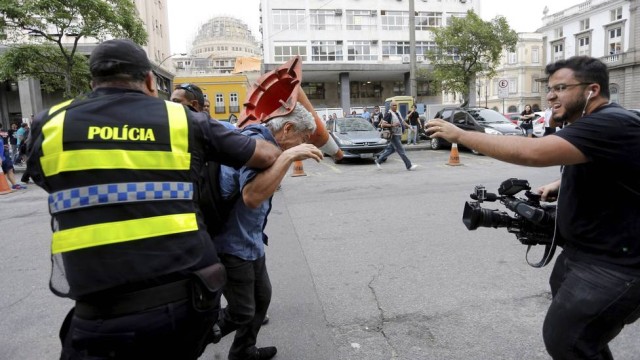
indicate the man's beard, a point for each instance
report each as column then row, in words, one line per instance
column 572, row 111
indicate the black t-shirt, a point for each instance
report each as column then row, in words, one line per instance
column 526, row 123
column 599, row 201
column 414, row 119
column 13, row 140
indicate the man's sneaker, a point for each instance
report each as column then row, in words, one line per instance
column 378, row 164
column 266, row 353
column 18, row 187
column 413, row 167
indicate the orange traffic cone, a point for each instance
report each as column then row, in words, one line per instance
column 454, row 157
column 4, row 184
column 297, row 169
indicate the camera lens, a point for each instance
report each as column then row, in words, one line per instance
column 474, row 216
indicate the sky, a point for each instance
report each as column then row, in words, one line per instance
column 186, row 16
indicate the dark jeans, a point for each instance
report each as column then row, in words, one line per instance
column 395, row 145
column 591, row 304
column 248, row 294
column 172, row 331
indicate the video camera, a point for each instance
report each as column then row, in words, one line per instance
column 532, row 223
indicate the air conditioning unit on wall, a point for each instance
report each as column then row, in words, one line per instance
column 406, row 59
column 419, row 58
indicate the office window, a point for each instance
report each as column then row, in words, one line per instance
column 455, row 15
column 584, row 24
column 234, row 106
column 395, row 20
column 398, row 88
column 535, row 85
column 365, row 89
column 535, row 55
column 313, row 90
column 361, row 19
column 557, row 51
column 395, row 48
column 426, row 88
column 325, row 20
column 616, row 14
column 512, row 58
column 427, row 20
column 361, row 51
column 326, row 51
column 425, row 47
column 219, row 108
column 614, row 40
column 282, row 52
column 584, row 45
column 285, row 19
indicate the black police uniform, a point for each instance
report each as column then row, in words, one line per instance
column 129, row 244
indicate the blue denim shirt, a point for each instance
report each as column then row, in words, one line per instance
column 243, row 234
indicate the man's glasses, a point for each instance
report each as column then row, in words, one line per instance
column 562, row 87
column 193, row 89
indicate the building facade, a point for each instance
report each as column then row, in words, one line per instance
column 226, row 93
column 21, row 98
column 518, row 73
column 355, row 53
column 605, row 29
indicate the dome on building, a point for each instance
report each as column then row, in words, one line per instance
column 225, row 37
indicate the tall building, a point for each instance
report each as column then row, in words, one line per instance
column 605, row 29
column 354, row 53
column 21, row 98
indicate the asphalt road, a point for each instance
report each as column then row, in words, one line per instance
column 365, row 264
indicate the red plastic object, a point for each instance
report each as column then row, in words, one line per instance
column 275, row 94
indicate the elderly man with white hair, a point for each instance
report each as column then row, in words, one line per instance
column 241, row 242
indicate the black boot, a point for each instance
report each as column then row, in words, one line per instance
column 266, row 353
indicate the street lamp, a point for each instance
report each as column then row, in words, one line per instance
column 167, row 58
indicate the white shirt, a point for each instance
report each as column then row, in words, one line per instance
column 547, row 116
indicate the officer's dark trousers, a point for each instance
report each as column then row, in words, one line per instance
column 590, row 306
column 248, row 294
column 172, row 331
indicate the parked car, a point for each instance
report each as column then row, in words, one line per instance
column 514, row 117
column 356, row 137
column 476, row 119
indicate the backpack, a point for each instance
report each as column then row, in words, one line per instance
column 214, row 207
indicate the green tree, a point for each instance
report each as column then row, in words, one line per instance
column 467, row 48
column 42, row 38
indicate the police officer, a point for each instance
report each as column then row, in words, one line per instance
column 129, row 245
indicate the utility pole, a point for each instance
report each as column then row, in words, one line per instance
column 412, row 51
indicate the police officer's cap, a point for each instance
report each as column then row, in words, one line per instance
column 119, row 56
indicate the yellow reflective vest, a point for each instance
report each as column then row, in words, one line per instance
column 118, row 171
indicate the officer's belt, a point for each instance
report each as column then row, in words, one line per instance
column 136, row 301
column 105, row 194
column 208, row 280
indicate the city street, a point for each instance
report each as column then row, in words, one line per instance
column 365, row 264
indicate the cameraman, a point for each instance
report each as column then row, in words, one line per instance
column 595, row 282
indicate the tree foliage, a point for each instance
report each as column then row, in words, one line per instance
column 42, row 37
column 467, row 48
